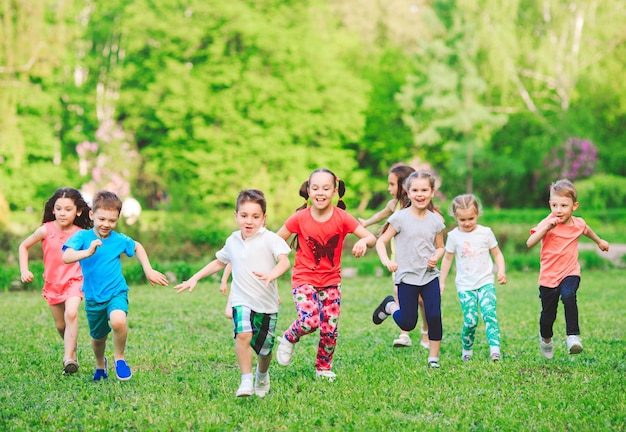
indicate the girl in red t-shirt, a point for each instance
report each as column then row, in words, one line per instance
column 316, row 275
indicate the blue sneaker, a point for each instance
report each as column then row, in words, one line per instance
column 101, row 374
column 122, row 370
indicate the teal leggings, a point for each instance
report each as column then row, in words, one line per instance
column 484, row 296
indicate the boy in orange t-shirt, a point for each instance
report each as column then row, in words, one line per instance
column 559, row 274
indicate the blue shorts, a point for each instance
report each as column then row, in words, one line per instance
column 262, row 326
column 98, row 314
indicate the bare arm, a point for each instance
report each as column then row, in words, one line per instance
column 602, row 244
column 381, row 215
column 381, row 248
column 212, row 267
column 284, row 233
column 366, row 239
column 446, row 264
column 70, row 255
column 499, row 260
column 540, row 232
column 224, row 281
column 39, row 234
column 153, row 276
column 281, row 267
column 440, row 250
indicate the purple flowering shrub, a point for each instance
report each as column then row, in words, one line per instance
column 575, row 159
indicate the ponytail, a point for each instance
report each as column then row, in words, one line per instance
column 341, row 190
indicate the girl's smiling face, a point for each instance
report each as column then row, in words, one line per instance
column 420, row 192
column 321, row 190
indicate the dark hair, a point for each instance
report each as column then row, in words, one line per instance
column 107, row 200
column 339, row 184
column 251, row 195
column 81, row 220
column 402, row 172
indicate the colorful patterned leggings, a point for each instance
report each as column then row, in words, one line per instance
column 317, row 307
column 484, row 296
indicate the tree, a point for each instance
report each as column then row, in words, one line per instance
column 442, row 101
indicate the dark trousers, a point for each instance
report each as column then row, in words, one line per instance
column 406, row 316
column 566, row 291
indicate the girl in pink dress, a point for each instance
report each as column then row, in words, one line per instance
column 64, row 213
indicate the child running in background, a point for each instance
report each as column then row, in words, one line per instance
column 257, row 258
column 99, row 251
column 559, row 274
column 64, row 213
column 472, row 243
column 396, row 178
column 418, row 235
column 316, row 276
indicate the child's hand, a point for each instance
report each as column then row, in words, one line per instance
column 501, row 278
column 224, row 287
column 155, row 277
column 27, row 277
column 95, row 244
column 362, row 222
column 188, row 284
column 432, row 262
column 264, row 277
column 442, row 286
column 603, row 245
column 553, row 221
column 392, row 266
column 359, row 248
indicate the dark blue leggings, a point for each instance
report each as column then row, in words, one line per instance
column 406, row 316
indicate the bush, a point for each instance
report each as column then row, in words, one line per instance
column 602, row 192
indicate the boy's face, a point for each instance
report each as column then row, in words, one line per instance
column 104, row 221
column 562, row 207
column 250, row 218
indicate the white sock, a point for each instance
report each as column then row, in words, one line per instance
column 468, row 352
column 494, row 350
column 247, row 376
column 260, row 375
column 433, row 359
column 388, row 308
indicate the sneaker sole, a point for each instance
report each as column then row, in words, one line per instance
column 71, row 367
column 575, row 349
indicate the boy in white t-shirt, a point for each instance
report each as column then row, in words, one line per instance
column 258, row 258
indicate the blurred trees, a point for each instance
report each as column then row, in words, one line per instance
column 218, row 96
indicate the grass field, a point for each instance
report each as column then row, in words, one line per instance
column 185, row 373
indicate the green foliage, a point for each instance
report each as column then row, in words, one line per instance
column 602, row 192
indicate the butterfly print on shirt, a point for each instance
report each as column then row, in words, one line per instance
column 323, row 250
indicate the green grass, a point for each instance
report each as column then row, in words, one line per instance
column 185, row 373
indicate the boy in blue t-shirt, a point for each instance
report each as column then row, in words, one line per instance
column 106, row 292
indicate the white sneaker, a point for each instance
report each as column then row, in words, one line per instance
column 425, row 344
column 246, row 388
column 326, row 374
column 574, row 346
column 284, row 352
column 547, row 349
column 262, row 386
column 403, row 341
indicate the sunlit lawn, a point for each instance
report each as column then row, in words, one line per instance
column 185, row 374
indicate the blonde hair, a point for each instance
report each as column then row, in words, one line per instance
column 464, row 202
column 564, row 188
